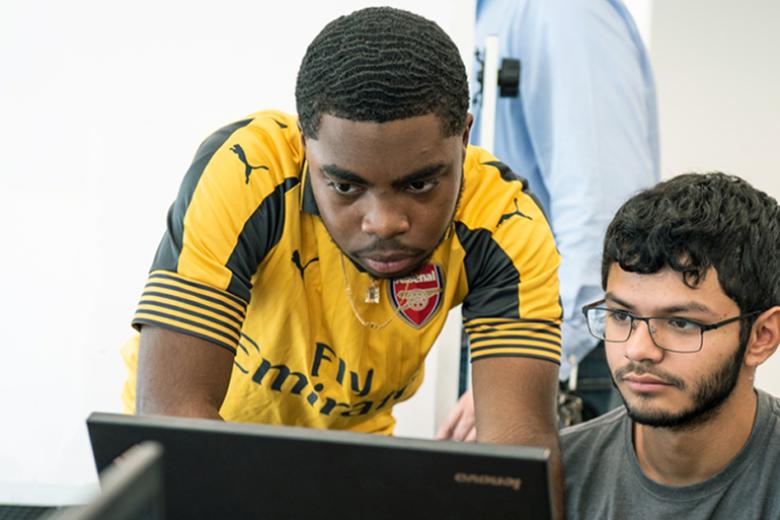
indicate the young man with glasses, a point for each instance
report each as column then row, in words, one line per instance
column 691, row 273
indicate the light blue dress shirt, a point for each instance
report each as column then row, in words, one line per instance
column 583, row 131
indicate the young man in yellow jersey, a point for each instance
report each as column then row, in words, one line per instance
column 309, row 262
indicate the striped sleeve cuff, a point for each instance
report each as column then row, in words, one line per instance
column 175, row 303
column 494, row 337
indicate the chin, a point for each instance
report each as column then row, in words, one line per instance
column 689, row 418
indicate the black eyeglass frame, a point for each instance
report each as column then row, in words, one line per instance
column 703, row 327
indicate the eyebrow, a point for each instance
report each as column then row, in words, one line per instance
column 686, row 307
column 342, row 174
column 420, row 174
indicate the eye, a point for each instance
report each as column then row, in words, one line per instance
column 344, row 188
column 420, row 187
column 619, row 316
column 681, row 324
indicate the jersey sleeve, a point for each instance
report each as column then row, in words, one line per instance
column 228, row 215
column 512, row 308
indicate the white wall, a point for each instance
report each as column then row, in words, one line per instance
column 717, row 67
column 102, row 105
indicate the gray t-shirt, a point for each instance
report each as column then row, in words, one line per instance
column 604, row 480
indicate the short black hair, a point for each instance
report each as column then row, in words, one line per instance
column 382, row 64
column 696, row 221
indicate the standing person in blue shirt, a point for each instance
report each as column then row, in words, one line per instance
column 584, row 133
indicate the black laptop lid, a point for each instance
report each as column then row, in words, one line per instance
column 231, row 470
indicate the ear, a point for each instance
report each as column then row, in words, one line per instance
column 764, row 337
column 467, row 129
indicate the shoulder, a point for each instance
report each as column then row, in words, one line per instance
column 492, row 191
column 497, row 209
column 773, row 400
column 594, row 460
column 594, row 456
column 594, row 436
column 592, row 25
column 251, row 157
column 771, row 405
column 272, row 134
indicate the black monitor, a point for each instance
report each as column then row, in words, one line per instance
column 131, row 488
column 215, row 469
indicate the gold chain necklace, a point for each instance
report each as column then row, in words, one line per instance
column 372, row 296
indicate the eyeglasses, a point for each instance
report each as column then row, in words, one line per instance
column 672, row 333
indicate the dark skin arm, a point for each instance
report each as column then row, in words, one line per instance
column 515, row 403
column 181, row 375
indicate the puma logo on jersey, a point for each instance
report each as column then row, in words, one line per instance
column 517, row 212
column 236, row 149
column 296, row 259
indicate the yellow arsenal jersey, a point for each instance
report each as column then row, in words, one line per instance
column 247, row 264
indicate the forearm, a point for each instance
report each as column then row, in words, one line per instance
column 538, row 437
column 521, row 413
column 556, row 478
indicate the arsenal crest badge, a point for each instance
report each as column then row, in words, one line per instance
column 417, row 297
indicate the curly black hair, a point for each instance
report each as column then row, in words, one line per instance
column 696, row 221
column 381, row 64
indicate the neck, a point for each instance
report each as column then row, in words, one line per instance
column 685, row 456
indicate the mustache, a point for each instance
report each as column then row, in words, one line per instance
column 643, row 368
column 389, row 245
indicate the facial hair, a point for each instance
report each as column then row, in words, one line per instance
column 708, row 396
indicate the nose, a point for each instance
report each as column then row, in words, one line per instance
column 385, row 218
column 640, row 345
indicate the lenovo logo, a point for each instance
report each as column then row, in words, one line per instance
column 488, row 480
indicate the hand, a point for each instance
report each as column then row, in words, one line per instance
column 461, row 425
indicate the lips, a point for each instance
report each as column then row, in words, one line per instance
column 645, row 383
column 389, row 263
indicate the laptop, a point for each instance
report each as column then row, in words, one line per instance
column 131, row 488
column 216, row 469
